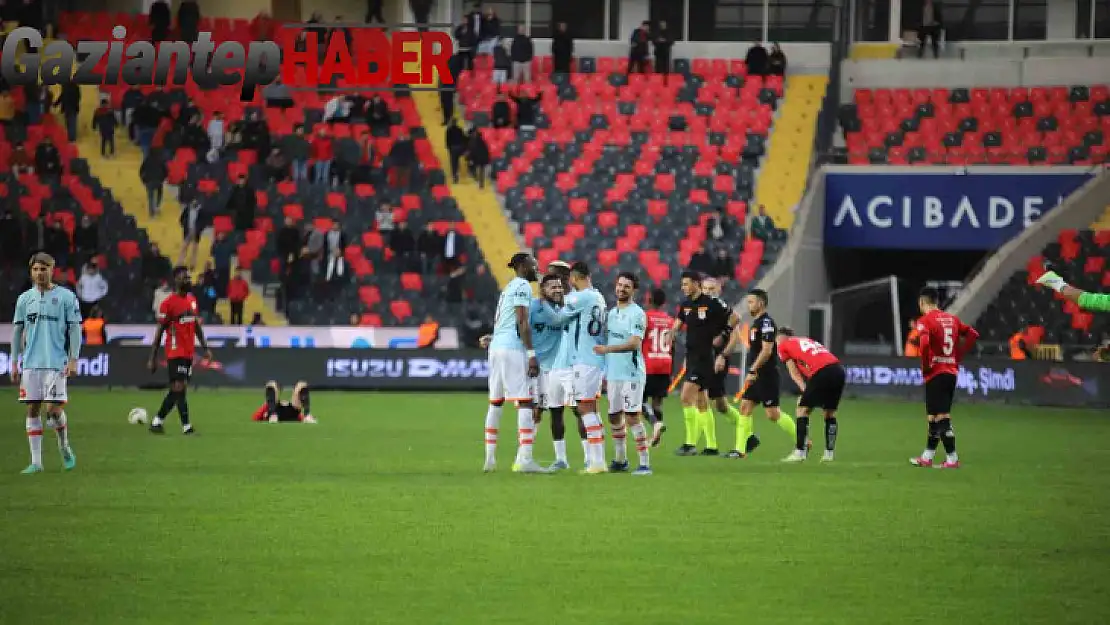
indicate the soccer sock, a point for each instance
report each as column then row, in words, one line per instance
column 743, row 426
column 786, row 422
column 586, row 450
column 306, row 401
column 183, row 409
column 561, row 451
column 948, row 437
column 526, row 434
column 649, row 412
column 493, row 419
column 801, row 434
column 709, row 428
column 639, row 434
column 931, row 442
column 168, row 403
column 620, row 447
column 61, row 428
column 690, row 416
column 34, row 438
column 658, row 413
column 595, row 437
column 830, row 433
column 271, row 400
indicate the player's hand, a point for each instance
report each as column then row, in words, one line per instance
column 208, row 355
column 537, row 416
column 601, row 350
column 15, row 372
column 152, row 365
column 485, row 341
column 717, row 342
column 533, row 367
column 750, row 379
column 720, row 364
column 71, row 369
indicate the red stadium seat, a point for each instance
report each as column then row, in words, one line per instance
column 412, row 282
column 401, row 310
column 128, row 250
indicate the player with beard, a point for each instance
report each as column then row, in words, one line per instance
column 560, row 385
column 179, row 321
column 761, row 384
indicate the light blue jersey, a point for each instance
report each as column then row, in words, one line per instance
column 48, row 323
column 547, row 332
column 621, row 325
column 584, row 313
column 518, row 293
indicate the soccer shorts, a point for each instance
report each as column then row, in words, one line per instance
column 939, row 393
column 626, row 396
column 43, row 385
column 587, row 382
column 508, row 376
column 557, row 388
column 180, row 369
column 825, row 388
column 765, row 390
column 657, row 385
column 700, row 371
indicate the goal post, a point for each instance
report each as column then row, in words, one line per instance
column 867, row 315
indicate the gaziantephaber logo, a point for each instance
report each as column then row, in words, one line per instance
column 357, row 57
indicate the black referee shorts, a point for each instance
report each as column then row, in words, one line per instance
column 699, row 371
column 939, row 393
column 764, row 391
column 825, row 388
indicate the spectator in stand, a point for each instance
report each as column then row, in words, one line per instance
column 663, row 42
column 146, row 119
column 188, row 20
column 639, row 49
column 455, row 290
column 86, row 240
column 35, row 236
column 164, row 290
column 447, row 93
column 383, row 218
column 223, row 252
column 562, row 50
column 216, row 136
column 421, row 11
column 724, row 268
column 379, row 119
column 323, row 151
column 91, row 288
column 34, row 97
column 262, row 27
column 7, row 109
column 701, row 262
column 763, row 227
column 11, row 240
column 58, row 244
column 256, row 135
column 153, row 172
column 757, row 60
column 501, row 114
column 717, row 226
column 194, row 220
column 456, row 147
column 288, row 243
column 430, row 246
column 428, row 333
column 93, row 330
column 70, row 104
column 466, row 43
column 452, row 248
column 205, row 291
column 932, row 23
column 478, row 154
column 104, row 122
column 21, row 162
column 526, row 104
column 776, row 62
column 297, row 150
column 48, row 161
column 355, row 320
column 403, row 245
column 256, row 320
column 522, row 53
column 277, row 168
column 374, row 12
column 502, row 64
column 402, row 160
column 335, row 244
column 156, row 267
column 489, row 33
column 277, row 95
column 238, row 290
column 337, row 110
column 242, row 204
column 313, row 251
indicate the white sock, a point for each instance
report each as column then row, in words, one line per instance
column 34, row 437
column 620, row 447
column 953, row 457
column 561, row 451
column 928, row 454
column 526, row 434
column 156, row 421
column 62, row 430
column 586, row 450
column 639, row 434
column 595, row 437
column 493, row 419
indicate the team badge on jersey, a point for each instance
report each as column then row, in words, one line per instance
column 701, row 312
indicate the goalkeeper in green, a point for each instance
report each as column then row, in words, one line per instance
column 1092, row 302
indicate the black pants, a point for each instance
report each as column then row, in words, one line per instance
column 456, row 156
column 107, row 144
column 662, row 63
column 374, row 12
column 926, row 33
column 447, row 103
column 637, row 63
column 478, row 172
column 236, row 313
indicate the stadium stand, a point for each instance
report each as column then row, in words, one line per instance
column 964, row 126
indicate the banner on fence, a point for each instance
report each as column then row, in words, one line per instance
column 938, row 211
column 339, row 337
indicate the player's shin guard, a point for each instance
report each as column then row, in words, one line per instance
column 649, row 412
column 620, row 446
column 830, row 433
column 183, row 409
column 493, row 420
column 595, row 439
column 558, row 434
column 168, row 402
column 932, row 442
column 708, row 427
column 639, row 434
column 690, row 416
column 948, row 438
column 61, row 428
column 34, row 438
column 526, row 434
column 801, row 434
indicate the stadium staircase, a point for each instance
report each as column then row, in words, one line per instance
column 121, row 174
column 873, row 51
column 782, row 179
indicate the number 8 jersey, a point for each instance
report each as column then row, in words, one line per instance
column 584, row 313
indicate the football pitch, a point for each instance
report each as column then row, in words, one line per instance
column 381, row 514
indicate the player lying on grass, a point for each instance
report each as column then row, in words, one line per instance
column 821, row 378
column 1093, row 302
column 297, row 410
column 46, row 341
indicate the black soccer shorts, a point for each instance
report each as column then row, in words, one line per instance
column 656, row 386
column 939, row 394
column 825, row 388
column 180, row 369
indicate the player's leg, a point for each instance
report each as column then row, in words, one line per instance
column 933, row 408
column 183, row 401
column 837, row 380
column 520, row 388
column 707, row 423
column 587, row 386
column 689, row 395
column 581, row 425
column 633, row 404
column 31, row 394
column 496, row 402
column 944, row 423
column 767, row 390
column 616, row 390
column 273, row 395
column 302, row 401
column 56, row 417
column 746, row 440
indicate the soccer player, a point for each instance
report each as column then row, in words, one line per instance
column 943, row 340
column 625, row 373
column 179, row 322
column 46, row 335
column 761, row 385
column 547, row 334
column 297, row 410
column 821, row 378
column 706, row 319
column 1094, row 302
column 562, row 379
column 513, row 367
column 584, row 313
column 659, row 358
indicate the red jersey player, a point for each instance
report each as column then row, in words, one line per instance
column 179, row 322
column 658, row 348
column 942, row 340
column 821, row 378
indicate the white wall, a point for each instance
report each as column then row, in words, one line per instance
column 1061, row 19
column 633, row 13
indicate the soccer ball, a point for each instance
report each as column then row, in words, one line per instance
column 137, row 416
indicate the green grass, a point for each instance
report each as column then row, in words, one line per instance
column 380, row 514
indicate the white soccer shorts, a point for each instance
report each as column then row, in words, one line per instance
column 587, row 382
column 43, row 385
column 557, row 388
column 626, row 396
column 508, row 376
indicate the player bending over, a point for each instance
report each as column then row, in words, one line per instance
column 761, row 385
column 46, row 335
column 179, row 322
column 513, row 367
column 625, row 373
column 560, row 384
column 942, row 340
column 297, row 410
column 659, row 358
column 821, row 378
